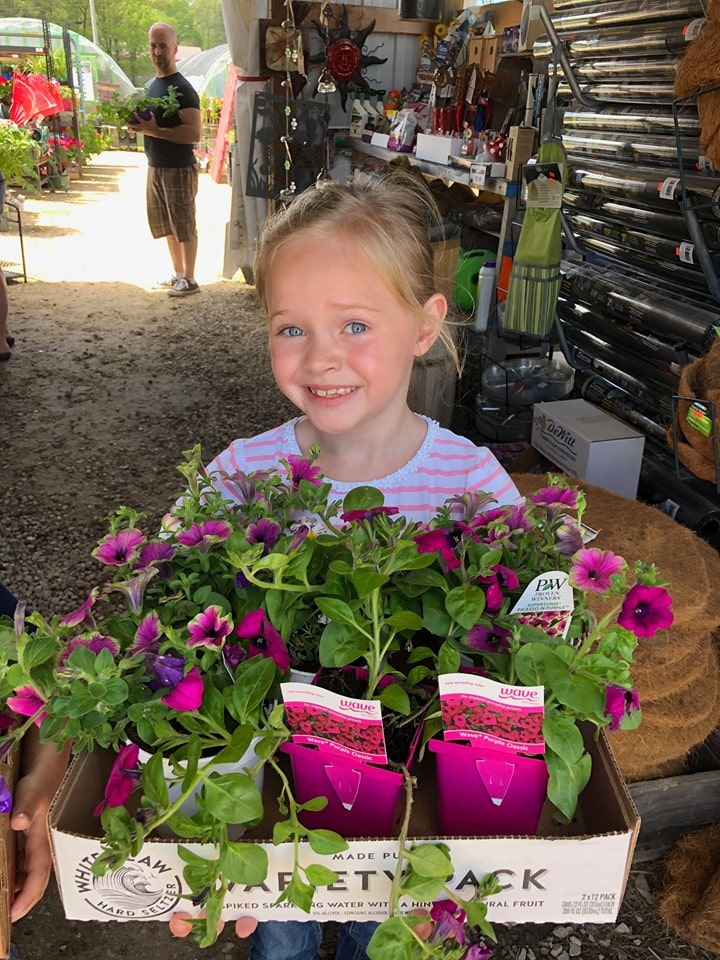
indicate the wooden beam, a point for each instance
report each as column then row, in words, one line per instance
column 386, row 20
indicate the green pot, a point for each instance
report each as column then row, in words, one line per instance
column 59, row 181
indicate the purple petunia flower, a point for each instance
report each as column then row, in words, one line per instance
column 188, row 694
column 449, row 922
column 209, row 628
column 5, row 797
column 118, row 549
column 203, row 535
column 233, row 654
column 620, row 703
column 123, row 777
column 147, row 635
column 82, row 616
column 646, row 610
column 166, row 671
column 592, row 569
column 568, row 539
column 264, row 531
column 478, row 951
column 27, row 701
column 264, row 639
column 134, row 590
column 556, row 497
column 492, row 639
column 95, row 643
column 355, row 515
column 301, row 469
column 157, row 552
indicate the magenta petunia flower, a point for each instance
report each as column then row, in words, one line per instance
column 502, row 578
column 646, row 610
column 441, row 907
column 95, row 643
column 493, row 639
column 123, row 777
column 556, row 497
column 264, row 531
column 209, row 628
column 620, row 703
column 592, row 569
column 147, row 635
column 450, row 924
column 82, row 616
column 443, row 542
column 353, row 515
column 203, row 535
column 264, row 639
column 188, row 694
column 27, row 701
column 158, row 553
column 301, row 469
column 118, row 549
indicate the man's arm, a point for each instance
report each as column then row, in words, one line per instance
column 188, row 130
column 43, row 767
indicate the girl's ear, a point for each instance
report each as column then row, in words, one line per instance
column 434, row 311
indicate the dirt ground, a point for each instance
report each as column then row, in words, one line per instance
column 109, row 382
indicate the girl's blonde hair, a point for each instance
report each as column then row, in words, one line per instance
column 388, row 217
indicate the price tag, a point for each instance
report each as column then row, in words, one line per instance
column 705, row 164
column 478, row 174
column 544, row 185
column 668, row 187
column 685, row 252
column 693, row 29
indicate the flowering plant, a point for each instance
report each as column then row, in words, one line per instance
column 179, row 652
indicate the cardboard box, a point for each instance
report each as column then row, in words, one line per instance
column 575, row 874
column 437, row 149
column 520, row 147
column 585, row 441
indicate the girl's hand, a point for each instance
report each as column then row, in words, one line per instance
column 179, row 927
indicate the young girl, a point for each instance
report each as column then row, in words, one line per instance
column 346, row 277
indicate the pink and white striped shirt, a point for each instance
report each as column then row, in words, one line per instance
column 445, row 465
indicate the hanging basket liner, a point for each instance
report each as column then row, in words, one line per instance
column 535, row 277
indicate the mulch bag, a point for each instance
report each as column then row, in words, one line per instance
column 691, row 901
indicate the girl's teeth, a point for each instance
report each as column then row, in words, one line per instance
column 340, row 392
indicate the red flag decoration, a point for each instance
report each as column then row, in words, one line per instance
column 33, row 96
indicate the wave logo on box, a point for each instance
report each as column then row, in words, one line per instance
column 564, row 436
column 135, row 891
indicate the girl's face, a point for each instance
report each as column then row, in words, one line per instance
column 342, row 344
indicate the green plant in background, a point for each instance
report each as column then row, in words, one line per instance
column 93, row 141
column 210, row 107
column 18, row 157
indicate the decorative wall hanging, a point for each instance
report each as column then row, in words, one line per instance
column 344, row 54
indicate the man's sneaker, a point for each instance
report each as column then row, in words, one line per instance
column 166, row 284
column 183, row 288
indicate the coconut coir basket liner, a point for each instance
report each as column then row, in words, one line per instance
column 691, row 902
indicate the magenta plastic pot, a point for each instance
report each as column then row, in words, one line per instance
column 484, row 792
column 363, row 800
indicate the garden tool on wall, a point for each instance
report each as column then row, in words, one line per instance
column 535, row 276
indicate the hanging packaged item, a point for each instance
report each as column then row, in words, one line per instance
column 402, row 132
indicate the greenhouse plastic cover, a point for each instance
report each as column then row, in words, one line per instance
column 207, row 70
column 100, row 75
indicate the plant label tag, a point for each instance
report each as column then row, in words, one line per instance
column 547, row 603
column 498, row 715
column 340, row 725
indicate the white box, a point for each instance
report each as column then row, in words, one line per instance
column 573, row 874
column 589, row 443
column 437, row 149
column 380, row 139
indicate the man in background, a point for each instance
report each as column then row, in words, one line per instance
column 172, row 171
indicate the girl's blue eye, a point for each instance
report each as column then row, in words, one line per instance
column 357, row 326
column 291, row 332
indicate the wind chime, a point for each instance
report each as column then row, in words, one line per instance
column 325, row 86
column 293, row 64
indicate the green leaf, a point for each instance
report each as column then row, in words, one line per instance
column 185, row 826
column 423, row 888
column 320, row 876
column 232, row 798
column 336, row 610
column 154, row 783
column 395, row 697
column 562, row 735
column 405, row 620
column 283, row 830
column 253, row 680
column 427, row 578
column 340, row 645
column 243, row 862
column 366, row 579
column 299, row 893
column 465, row 604
column 362, row 498
column 477, row 916
column 530, row 663
column 567, row 781
column 314, row 804
column 326, row 841
column 429, row 860
column 583, row 695
column 37, row 650
column 448, row 658
column 393, row 940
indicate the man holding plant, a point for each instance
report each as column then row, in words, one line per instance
column 172, row 172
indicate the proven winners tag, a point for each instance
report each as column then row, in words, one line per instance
column 496, row 714
column 340, row 725
column 547, row 603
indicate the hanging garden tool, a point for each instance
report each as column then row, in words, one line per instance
column 535, row 277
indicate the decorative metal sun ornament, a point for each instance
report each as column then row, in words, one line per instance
column 343, row 55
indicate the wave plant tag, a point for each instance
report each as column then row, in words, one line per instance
column 498, row 715
column 340, row 725
column 547, row 603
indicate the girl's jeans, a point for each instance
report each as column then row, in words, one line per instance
column 298, row 940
